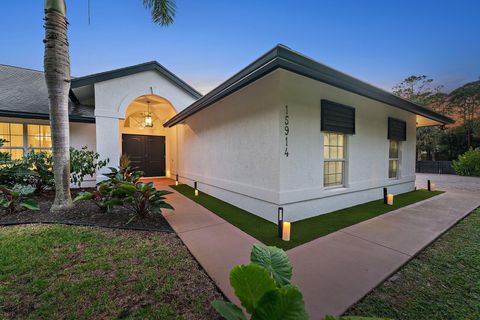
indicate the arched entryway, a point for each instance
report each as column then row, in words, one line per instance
column 149, row 145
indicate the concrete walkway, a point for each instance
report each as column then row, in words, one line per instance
column 216, row 244
column 337, row 270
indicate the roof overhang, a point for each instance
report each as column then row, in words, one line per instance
column 287, row 59
column 42, row 116
column 123, row 72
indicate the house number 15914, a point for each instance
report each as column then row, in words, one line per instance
column 287, row 131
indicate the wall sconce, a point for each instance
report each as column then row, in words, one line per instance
column 286, row 231
column 176, row 179
column 280, row 222
column 385, row 195
column 196, row 189
column 390, row 199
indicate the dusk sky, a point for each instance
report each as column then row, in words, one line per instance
column 380, row 42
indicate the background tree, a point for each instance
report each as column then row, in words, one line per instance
column 419, row 90
column 465, row 101
column 57, row 77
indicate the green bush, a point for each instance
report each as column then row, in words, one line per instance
column 468, row 164
column 84, row 162
column 41, row 164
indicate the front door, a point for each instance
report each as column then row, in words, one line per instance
column 145, row 152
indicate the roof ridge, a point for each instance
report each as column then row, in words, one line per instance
column 23, row 68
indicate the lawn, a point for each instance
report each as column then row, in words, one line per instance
column 305, row 230
column 443, row 282
column 64, row 272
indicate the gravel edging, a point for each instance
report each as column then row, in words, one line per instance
column 7, row 224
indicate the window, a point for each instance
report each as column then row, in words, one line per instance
column 393, row 159
column 13, row 133
column 39, row 137
column 22, row 137
column 334, row 159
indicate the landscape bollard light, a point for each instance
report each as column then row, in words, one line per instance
column 280, row 221
column 385, row 195
column 430, row 185
column 176, row 180
column 390, row 199
column 196, row 189
column 286, row 231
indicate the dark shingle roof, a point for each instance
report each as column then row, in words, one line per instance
column 23, row 93
column 287, row 59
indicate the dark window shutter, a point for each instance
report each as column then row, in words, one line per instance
column 337, row 117
column 397, row 129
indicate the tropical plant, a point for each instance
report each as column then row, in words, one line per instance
column 102, row 197
column 57, row 76
column 84, row 162
column 141, row 199
column 12, row 199
column 124, row 172
column 264, row 288
column 40, row 163
column 468, row 164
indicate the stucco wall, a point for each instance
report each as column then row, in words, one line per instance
column 112, row 99
column 229, row 149
column 367, row 151
column 83, row 134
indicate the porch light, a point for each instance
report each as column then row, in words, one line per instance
column 390, row 199
column 196, row 189
column 280, row 221
column 148, row 117
column 286, row 231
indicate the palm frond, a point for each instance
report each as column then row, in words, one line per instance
column 162, row 11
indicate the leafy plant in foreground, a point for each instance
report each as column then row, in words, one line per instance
column 102, row 197
column 41, row 163
column 265, row 291
column 11, row 199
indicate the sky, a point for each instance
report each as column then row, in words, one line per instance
column 380, row 42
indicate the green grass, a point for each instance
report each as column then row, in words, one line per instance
column 61, row 272
column 305, row 230
column 443, row 282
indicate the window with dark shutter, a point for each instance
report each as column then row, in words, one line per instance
column 397, row 129
column 336, row 117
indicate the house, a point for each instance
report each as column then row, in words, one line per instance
column 285, row 131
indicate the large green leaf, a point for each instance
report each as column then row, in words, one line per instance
column 275, row 260
column 83, row 196
column 30, row 204
column 285, row 303
column 228, row 310
column 250, row 283
column 327, row 317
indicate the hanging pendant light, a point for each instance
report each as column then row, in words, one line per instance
column 148, row 117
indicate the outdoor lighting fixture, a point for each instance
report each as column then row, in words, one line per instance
column 430, row 185
column 385, row 195
column 148, row 117
column 196, row 189
column 390, row 199
column 286, row 231
column 176, row 179
column 280, row 221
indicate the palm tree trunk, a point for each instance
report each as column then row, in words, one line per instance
column 57, row 76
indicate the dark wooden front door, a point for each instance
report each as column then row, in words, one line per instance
column 146, row 153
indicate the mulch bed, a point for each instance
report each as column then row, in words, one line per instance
column 84, row 213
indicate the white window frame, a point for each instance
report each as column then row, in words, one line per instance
column 397, row 159
column 342, row 160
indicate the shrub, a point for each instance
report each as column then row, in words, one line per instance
column 102, row 197
column 124, row 172
column 42, row 165
column 11, row 199
column 141, row 199
column 468, row 164
column 84, row 163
